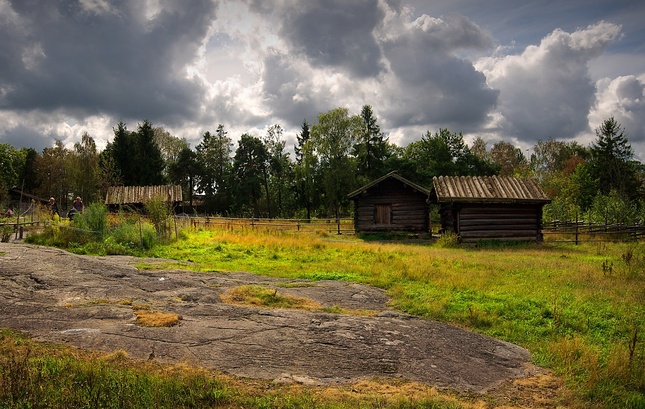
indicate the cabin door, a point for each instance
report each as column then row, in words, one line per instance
column 383, row 214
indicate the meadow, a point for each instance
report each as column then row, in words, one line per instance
column 579, row 309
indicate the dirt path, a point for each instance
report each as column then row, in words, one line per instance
column 88, row 302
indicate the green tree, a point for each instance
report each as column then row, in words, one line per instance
column 170, row 147
column 479, row 148
column 280, row 167
column 370, row 149
column 148, row 162
column 185, row 171
column 121, row 149
column 612, row 162
column 54, row 171
column 28, row 176
column 109, row 173
column 301, row 139
column 86, row 177
column 215, row 163
column 613, row 208
column 250, row 164
column 510, row 159
column 443, row 154
column 306, row 171
column 333, row 138
column 8, row 174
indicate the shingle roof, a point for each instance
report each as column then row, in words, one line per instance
column 491, row 189
column 140, row 194
column 392, row 175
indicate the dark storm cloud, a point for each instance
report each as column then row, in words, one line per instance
column 60, row 55
column 434, row 85
column 336, row 34
column 26, row 137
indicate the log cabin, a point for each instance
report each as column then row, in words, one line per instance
column 391, row 203
column 490, row 207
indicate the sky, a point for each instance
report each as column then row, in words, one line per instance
column 504, row 70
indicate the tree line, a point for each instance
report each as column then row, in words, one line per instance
column 332, row 157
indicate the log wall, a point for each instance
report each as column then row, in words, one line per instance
column 408, row 208
column 472, row 222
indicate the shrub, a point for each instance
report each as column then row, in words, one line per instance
column 159, row 213
column 94, row 218
column 133, row 235
column 448, row 240
column 612, row 209
column 6, row 233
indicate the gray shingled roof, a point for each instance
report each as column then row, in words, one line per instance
column 491, row 189
column 117, row 195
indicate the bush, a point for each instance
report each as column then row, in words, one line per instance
column 159, row 213
column 5, row 234
column 132, row 235
column 94, row 218
column 612, row 209
column 448, row 240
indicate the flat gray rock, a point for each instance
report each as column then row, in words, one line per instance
column 61, row 297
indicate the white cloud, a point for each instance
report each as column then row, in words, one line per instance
column 547, row 91
column 248, row 64
column 624, row 99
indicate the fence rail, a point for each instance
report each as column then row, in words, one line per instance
column 8, row 229
column 573, row 231
column 339, row 226
column 557, row 231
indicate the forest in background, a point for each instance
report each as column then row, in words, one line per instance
column 259, row 177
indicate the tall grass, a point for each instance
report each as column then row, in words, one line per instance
column 562, row 302
column 36, row 375
column 578, row 309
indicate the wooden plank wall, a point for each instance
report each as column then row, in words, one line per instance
column 409, row 208
column 474, row 222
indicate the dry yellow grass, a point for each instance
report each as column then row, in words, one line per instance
column 258, row 296
column 152, row 318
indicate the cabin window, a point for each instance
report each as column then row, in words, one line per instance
column 383, row 214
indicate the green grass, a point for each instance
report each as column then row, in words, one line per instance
column 579, row 309
column 40, row 375
column 556, row 300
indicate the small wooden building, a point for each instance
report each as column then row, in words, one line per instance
column 391, row 204
column 491, row 207
column 137, row 196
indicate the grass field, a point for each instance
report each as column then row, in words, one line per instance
column 580, row 310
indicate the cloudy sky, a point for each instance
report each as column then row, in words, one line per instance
column 501, row 69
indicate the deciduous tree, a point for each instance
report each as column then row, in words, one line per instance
column 333, row 138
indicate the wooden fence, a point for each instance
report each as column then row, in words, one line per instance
column 557, row 231
column 337, row 226
column 577, row 232
column 16, row 228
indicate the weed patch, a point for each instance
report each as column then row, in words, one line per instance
column 259, row 296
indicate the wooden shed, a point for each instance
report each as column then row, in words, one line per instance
column 491, row 207
column 391, row 204
column 137, row 196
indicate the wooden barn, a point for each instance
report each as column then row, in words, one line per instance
column 491, row 207
column 137, row 196
column 391, row 204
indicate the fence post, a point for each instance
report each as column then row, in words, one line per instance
column 577, row 231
